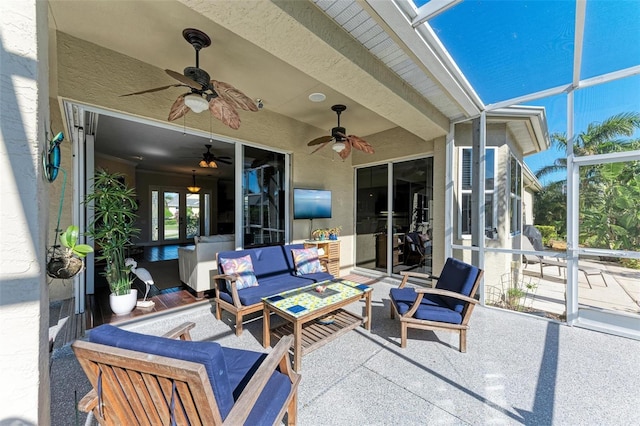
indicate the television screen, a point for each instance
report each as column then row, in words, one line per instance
column 311, row 204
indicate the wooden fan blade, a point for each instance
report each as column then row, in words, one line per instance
column 320, row 147
column 346, row 151
column 224, row 160
column 224, row 112
column 184, row 80
column 157, row 89
column 234, row 96
column 178, row 109
column 320, row 140
column 360, row 144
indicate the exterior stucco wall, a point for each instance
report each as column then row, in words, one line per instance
column 24, row 296
column 92, row 75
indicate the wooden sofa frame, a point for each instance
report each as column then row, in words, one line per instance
column 237, row 309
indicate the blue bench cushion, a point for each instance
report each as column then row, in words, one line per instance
column 241, row 366
column 458, row 277
column 209, row 354
column 432, row 307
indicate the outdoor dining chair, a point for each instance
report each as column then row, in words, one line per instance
column 447, row 306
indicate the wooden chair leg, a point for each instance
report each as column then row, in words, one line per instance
column 238, row 324
column 463, row 340
column 403, row 335
column 218, row 312
column 292, row 411
column 393, row 312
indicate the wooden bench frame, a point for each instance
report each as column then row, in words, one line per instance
column 137, row 388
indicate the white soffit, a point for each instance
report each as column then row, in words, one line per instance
column 358, row 22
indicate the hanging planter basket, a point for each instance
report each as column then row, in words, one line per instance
column 62, row 266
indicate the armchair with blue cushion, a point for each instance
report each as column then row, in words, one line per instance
column 447, row 306
column 140, row 379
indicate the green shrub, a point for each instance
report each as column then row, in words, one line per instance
column 548, row 233
column 630, row 263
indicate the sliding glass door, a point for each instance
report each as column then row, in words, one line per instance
column 394, row 216
column 264, row 194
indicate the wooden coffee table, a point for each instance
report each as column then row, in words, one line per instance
column 315, row 318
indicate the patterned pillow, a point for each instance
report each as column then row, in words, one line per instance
column 242, row 268
column 306, row 261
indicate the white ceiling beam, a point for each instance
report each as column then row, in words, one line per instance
column 432, row 9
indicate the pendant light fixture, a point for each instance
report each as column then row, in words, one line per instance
column 193, row 188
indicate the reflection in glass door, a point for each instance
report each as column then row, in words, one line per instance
column 396, row 236
column 264, row 197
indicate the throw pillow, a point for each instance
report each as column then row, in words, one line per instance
column 242, row 268
column 306, row 261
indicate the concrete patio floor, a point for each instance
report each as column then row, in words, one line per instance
column 519, row 369
column 616, row 288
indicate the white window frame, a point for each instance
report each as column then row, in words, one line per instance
column 489, row 192
column 515, row 199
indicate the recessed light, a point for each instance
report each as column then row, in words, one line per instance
column 317, row 97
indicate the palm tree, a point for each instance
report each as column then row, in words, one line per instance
column 608, row 192
column 599, row 138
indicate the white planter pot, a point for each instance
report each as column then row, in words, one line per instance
column 122, row 305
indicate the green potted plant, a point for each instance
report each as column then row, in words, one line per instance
column 112, row 228
column 67, row 262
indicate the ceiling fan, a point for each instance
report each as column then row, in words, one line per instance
column 220, row 98
column 342, row 143
column 211, row 160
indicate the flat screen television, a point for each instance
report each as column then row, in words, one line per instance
column 311, row 203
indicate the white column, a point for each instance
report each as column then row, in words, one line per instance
column 24, row 296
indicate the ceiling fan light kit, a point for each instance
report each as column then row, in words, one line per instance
column 338, row 146
column 196, row 103
column 210, row 160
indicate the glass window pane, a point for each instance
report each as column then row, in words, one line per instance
column 193, row 215
column 154, row 216
column 171, row 215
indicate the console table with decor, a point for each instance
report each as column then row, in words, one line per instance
column 329, row 250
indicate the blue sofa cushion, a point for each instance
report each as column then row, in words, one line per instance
column 432, row 307
column 210, row 354
column 458, row 277
column 241, row 366
column 267, row 262
column 269, row 287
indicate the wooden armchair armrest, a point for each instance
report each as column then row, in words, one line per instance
column 409, row 274
column 447, row 293
column 234, row 291
column 180, row 332
column 88, row 402
column 279, row 357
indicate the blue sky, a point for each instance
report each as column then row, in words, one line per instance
column 509, row 48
